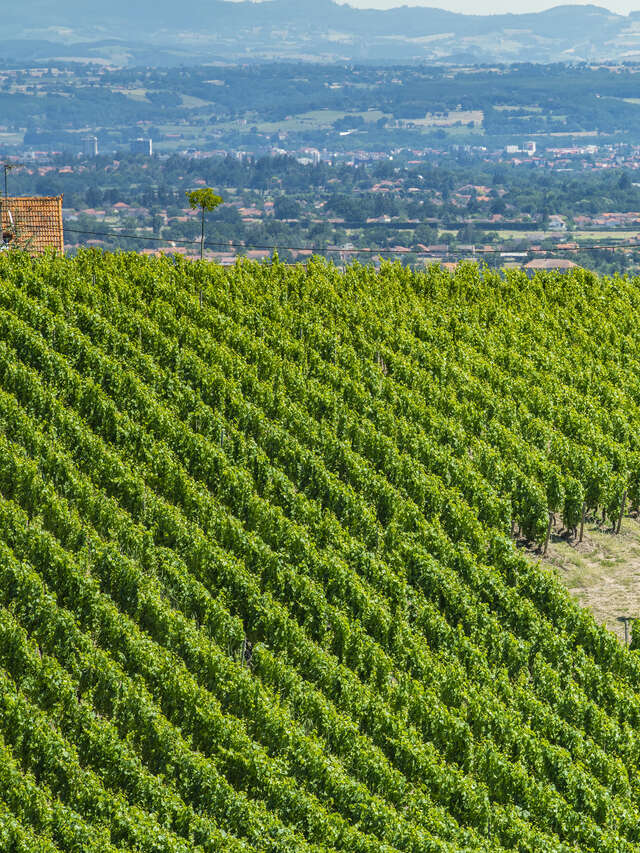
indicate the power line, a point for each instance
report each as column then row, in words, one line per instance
column 227, row 245
column 481, row 250
column 128, row 236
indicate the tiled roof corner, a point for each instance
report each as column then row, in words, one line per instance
column 33, row 223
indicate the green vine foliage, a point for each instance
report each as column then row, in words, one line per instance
column 268, row 574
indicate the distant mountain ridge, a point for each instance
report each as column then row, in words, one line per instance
column 318, row 29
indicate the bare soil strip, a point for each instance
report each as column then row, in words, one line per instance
column 602, row 571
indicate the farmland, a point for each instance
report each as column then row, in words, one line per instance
column 270, row 543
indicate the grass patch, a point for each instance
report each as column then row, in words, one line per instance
column 602, row 572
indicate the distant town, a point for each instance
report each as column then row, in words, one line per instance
column 413, row 164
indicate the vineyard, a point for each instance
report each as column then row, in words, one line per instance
column 266, row 579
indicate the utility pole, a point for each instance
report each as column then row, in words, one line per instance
column 7, row 168
column 9, row 225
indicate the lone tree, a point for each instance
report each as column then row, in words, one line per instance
column 206, row 200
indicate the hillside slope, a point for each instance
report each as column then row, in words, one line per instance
column 313, row 29
column 259, row 581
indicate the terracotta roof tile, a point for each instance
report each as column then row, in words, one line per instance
column 37, row 222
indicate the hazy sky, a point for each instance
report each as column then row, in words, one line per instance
column 488, row 7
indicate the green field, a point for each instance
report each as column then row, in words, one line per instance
column 312, row 120
column 136, row 94
column 191, row 102
column 570, row 236
column 452, row 118
column 512, row 107
column 612, row 236
column 11, row 138
column 270, row 543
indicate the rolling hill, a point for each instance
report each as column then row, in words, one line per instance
column 264, row 581
column 312, row 29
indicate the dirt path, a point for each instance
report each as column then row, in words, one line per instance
column 602, row 572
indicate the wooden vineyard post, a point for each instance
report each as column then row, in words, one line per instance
column 584, row 509
column 622, row 503
column 546, row 541
column 626, row 620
